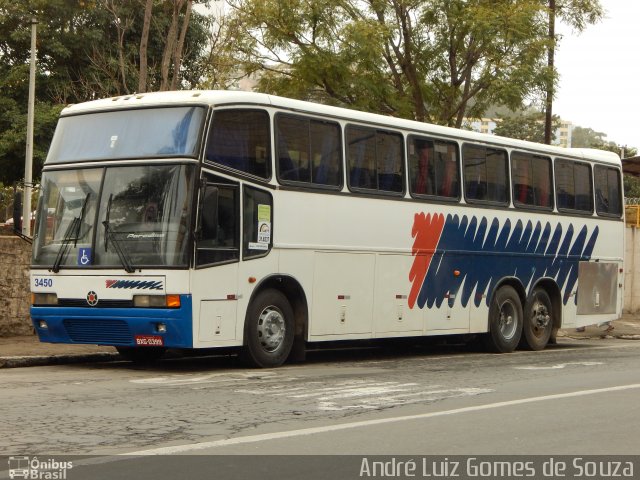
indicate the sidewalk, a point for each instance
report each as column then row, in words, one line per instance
column 27, row 351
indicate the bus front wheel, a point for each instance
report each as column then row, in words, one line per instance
column 505, row 321
column 269, row 330
column 538, row 321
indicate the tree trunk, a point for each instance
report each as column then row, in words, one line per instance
column 177, row 57
column 548, row 118
column 144, row 43
column 169, row 47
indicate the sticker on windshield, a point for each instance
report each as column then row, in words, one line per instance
column 264, row 223
column 84, row 257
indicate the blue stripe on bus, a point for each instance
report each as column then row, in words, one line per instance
column 115, row 326
column 484, row 253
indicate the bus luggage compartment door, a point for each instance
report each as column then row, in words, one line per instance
column 597, row 288
column 342, row 293
column 217, row 320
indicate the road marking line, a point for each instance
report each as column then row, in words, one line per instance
column 367, row 423
column 558, row 366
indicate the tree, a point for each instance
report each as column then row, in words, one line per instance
column 431, row 60
column 525, row 126
column 436, row 60
column 219, row 68
column 86, row 49
column 582, row 137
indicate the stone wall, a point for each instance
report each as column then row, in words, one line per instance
column 15, row 258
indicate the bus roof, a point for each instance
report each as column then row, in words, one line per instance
column 225, row 97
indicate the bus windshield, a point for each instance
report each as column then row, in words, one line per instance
column 138, row 133
column 140, row 218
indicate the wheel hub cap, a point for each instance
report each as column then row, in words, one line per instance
column 271, row 329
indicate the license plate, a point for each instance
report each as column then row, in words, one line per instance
column 149, row 341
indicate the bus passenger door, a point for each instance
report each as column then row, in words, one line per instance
column 214, row 282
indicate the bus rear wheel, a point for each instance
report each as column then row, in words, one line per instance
column 538, row 321
column 505, row 321
column 269, row 330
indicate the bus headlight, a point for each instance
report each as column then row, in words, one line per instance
column 38, row 299
column 156, row 301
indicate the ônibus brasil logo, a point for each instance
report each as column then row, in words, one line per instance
column 33, row 468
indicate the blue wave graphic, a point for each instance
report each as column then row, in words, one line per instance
column 485, row 253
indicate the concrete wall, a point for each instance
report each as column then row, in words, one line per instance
column 15, row 258
column 632, row 270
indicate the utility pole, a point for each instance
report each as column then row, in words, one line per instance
column 548, row 117
column 28, row 160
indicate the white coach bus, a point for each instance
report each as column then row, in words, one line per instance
column 202, row 219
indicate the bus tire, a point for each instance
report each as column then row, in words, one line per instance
column 538, row 320
column 141, row 354
column 505, row 321
column 269, row 330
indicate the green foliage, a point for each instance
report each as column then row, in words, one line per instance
column 87, row 49
column 631, row 186
column 430, row 60
column 525, row 126
column 583, row 137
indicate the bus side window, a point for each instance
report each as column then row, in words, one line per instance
column 485, row 171
column 573, row 186
column 375, row 160
column 309, row 151
column 257, row 217
column 433, row 168
column 218, row 240
column 239, row 139
column 608, row 191
column 531, row 177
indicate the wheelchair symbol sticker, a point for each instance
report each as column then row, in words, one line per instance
column 84, row 257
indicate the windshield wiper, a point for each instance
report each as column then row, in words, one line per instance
column 72, row 234
column 117, row 246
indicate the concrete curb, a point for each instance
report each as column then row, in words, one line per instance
column 44, row 360
column 602, row 336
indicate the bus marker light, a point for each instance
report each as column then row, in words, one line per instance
column 344, row 297
column 232, row 296
column 173, row 301
column 252, row 279
column 44, row 299
column 146, row 301
column 43, row 324
column 456, row 273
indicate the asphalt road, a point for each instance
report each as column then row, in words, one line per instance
column 576, row 398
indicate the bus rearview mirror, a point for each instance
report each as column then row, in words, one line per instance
column 210, row 212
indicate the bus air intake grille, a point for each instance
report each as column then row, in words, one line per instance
column 98, row 331
column 81, row 302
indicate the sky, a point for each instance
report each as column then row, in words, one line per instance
column 600, row 74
